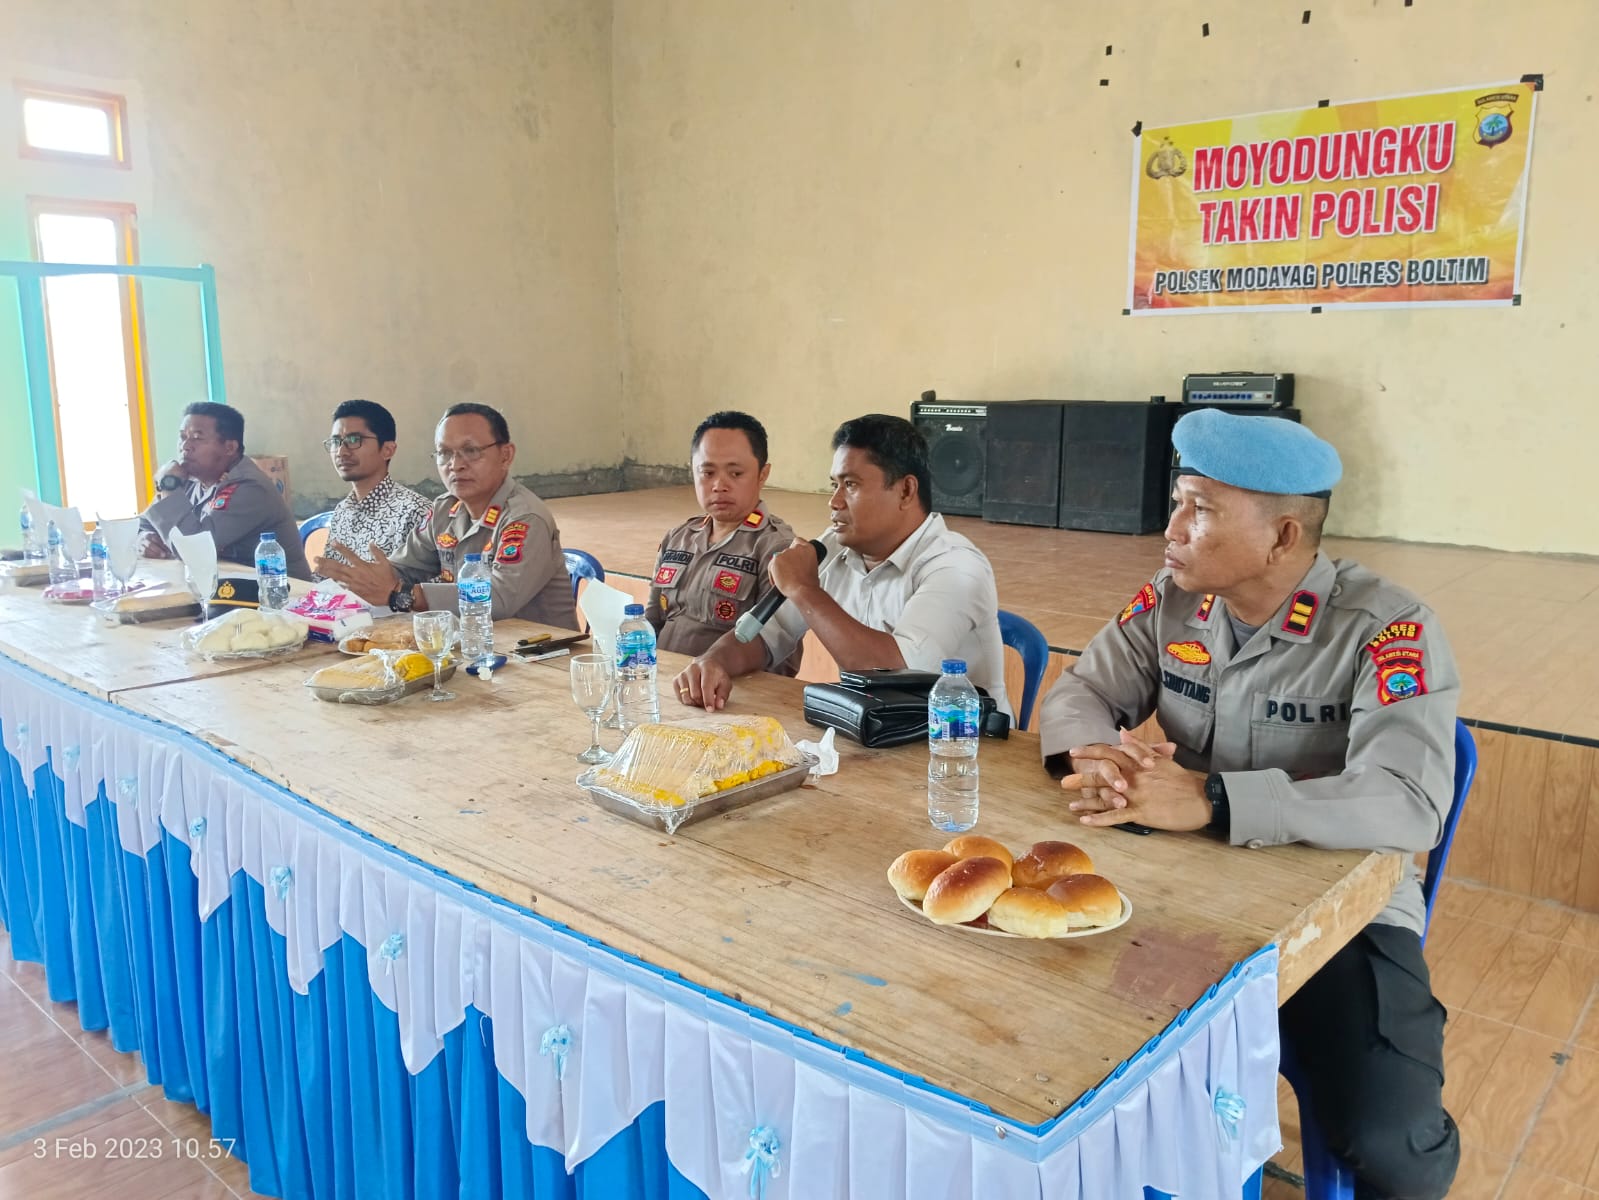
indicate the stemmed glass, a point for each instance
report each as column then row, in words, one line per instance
column 122, row 551
column 591, row 688
column 202, row 583
column 434, row 632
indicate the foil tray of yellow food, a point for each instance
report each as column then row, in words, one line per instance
column 668, row 775
column 376, row 678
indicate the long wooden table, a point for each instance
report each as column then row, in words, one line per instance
column 783, row 904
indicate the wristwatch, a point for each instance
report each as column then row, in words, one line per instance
column 1221, row 809
column 171, row 483
column 400, row 599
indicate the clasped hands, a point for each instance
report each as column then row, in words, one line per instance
column 1135, row 781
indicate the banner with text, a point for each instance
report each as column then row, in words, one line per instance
column 1413, row 200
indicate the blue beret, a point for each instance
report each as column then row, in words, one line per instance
column 1262, row 454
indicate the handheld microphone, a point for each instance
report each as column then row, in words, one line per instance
column 751, row 623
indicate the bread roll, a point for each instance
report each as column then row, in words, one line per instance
column 964, row 891
column 1047, row 862
column 912, row 872
column 970, row 845
column 1031, row 913
column 1091, row 899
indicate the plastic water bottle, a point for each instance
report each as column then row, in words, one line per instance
column 953, row 718
column 63, row 571
column 271, row 572
column 32, row 551
column 474, row 603
column 99, row 564
column 636, row 701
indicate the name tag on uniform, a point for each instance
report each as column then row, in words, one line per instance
column 1187, row 688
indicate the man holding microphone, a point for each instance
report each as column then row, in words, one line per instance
column 897, row 589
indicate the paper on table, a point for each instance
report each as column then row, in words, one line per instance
column 602, row 605
column 68, row 520
column 199, row 554
column 826, row 754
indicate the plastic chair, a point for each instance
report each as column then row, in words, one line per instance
column 1023, row 636
column 582, row 565
column 1328, row 1177
column 311, row 526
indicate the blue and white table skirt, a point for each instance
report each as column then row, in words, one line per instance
column 363, row 1025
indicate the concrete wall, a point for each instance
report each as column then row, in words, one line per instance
column 827, row 207
column 411, row 202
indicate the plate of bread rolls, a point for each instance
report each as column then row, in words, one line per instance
column 976, row 885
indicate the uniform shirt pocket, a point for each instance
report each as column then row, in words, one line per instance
column 1186, row 708
column 1306, row 736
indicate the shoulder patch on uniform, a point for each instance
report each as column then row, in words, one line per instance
column 492, row 517
column 1400, row 672
column 728, row 581
column 424, row 520
column 1205, row 606
column 1301, row 613
column 1193, row 653
column 1145, row 601
column 224, row 496
column 737, row 562
column 755, row 520
column 511, row 539
column 1408, row 631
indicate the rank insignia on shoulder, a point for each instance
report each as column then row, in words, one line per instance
column 1205, row 606
column 224, row 496
column 1145, row 601
column 492, row 517
column 1301, row 612
column 1193, row 653
column 755, row 520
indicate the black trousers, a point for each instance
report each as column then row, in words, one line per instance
column 1369, row 1037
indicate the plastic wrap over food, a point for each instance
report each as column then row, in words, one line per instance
column 670, row 766
column 247, row 633
column 376, row 677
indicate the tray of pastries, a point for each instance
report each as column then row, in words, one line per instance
column 975, row 885
column 667, row 775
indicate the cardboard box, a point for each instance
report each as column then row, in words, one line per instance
column 277, row 468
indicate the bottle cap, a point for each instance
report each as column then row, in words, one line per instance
column 268, row 536
column 954, row 666
column 633, row 610
column 474, row 558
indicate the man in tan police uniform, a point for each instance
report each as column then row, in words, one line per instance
column 214, row 487
column 1307, row 700
column 484, row 512
column 711, row 569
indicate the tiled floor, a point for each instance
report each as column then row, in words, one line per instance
column 1521, row 980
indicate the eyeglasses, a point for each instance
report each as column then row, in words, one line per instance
column 467, row 454
column 350, row 441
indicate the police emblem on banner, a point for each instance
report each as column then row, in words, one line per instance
column 1167, row 162
column 1494, row 119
